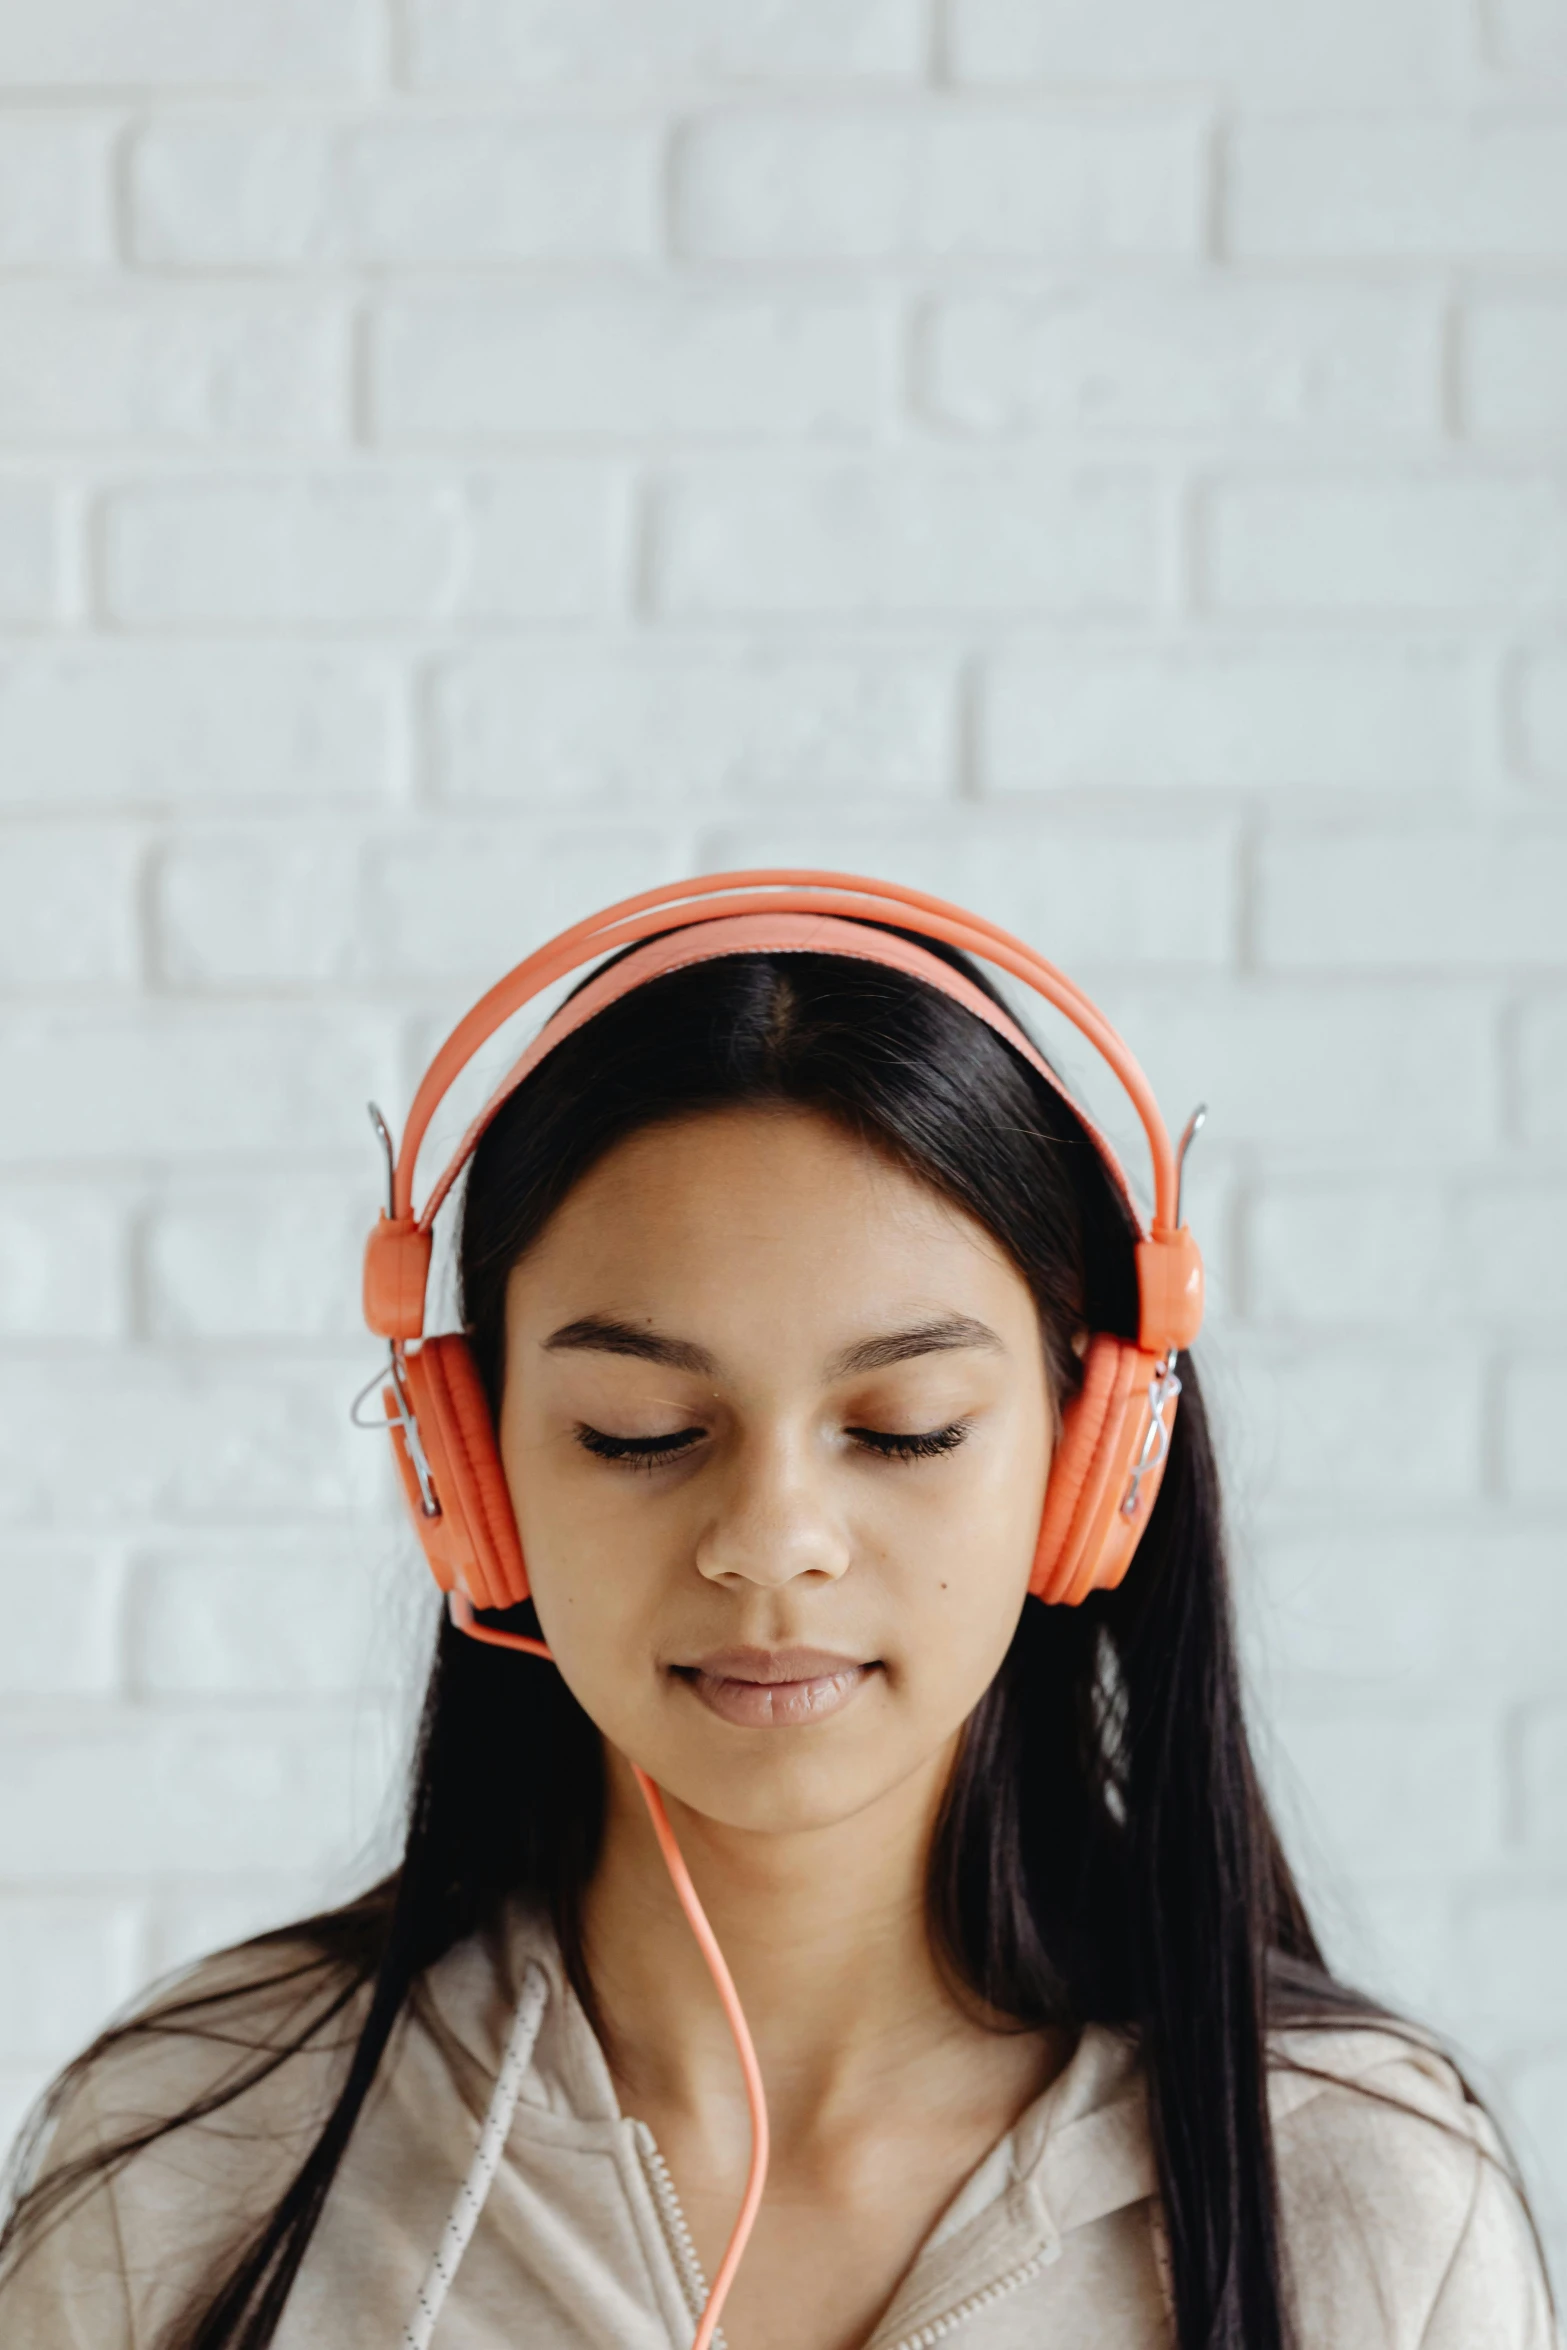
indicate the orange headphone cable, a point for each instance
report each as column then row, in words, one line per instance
column 462, row 1615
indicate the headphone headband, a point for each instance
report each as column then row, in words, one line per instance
column 759, row 934
column 736, row 913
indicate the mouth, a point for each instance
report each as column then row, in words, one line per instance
column 775, row 1688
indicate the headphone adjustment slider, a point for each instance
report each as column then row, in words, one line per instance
column 1170, row 1287
column 397, row 1268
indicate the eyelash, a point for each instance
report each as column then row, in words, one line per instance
column 636, row 1452
column 650, row 1452
column 924, row 1447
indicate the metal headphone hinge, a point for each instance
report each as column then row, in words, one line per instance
column 401, row 1418
column 410, row 1432
column 1163, row 1388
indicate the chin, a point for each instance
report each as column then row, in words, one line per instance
column 788, row 1795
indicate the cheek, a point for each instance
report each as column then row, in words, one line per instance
column 598, row 1555
column 958, row 1565
column 971, row 1521
column 953, row 1547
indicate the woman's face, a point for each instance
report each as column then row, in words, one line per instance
column 776, row 1426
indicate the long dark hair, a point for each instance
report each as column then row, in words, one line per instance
column 1104, row 1853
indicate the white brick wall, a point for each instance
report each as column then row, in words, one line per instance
column 464, row 459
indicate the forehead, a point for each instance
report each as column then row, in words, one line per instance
column 698, row 1212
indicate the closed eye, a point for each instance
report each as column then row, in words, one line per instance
column 650, row 1452
column 637, row 1452
column 923, row 1446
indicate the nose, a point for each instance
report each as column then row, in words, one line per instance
column 772, row 1523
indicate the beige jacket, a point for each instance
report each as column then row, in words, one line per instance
column 1403, row 2230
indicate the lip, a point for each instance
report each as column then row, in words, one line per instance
column 775, row 1688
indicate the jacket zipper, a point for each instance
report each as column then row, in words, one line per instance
column 677, row 2230
column 941, row 2326
column 687, row 2260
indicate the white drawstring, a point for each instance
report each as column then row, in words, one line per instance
column 486, row 2161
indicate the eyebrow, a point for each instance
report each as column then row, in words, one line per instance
column 602, row 1334
column 940, row 1334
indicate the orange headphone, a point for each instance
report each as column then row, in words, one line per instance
column 1115, row 1432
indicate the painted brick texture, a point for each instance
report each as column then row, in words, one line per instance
column 462, row 460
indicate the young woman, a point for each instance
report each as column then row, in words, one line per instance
column 789, row 1279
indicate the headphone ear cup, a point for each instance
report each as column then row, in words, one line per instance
column 473, row 1542
column 1086, row 1536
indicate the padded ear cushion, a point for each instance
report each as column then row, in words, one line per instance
column 474, row 1541
column 1086, row 1539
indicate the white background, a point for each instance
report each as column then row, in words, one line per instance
column 463, row 460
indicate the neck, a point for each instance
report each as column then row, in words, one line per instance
column 824, row 1931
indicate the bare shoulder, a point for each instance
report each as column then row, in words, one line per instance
column 1404, row 2222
